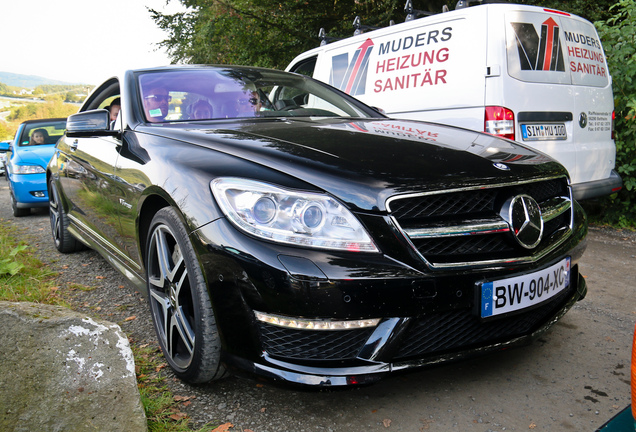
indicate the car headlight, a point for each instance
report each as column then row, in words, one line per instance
column 292, row 217
column 28, row 169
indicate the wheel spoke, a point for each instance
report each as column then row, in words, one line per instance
column 163, row 254
column 183, row 328
column 162, row 304
column 55, row 214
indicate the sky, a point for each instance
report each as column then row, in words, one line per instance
column 80, row 41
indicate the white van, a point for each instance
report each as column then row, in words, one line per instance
column 534, row 75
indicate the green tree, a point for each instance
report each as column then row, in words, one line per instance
column 592, row 11
column 271, row 33
column 264, row 32
column 619, row 40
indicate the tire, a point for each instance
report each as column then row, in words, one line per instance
column 64, row 240
column 179, row 302
column 18, row 212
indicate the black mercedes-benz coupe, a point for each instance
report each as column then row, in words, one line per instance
column 284, row 229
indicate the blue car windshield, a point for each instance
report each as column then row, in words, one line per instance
column 42, row 133
column 233, row 93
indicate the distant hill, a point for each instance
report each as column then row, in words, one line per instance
column 28, row 81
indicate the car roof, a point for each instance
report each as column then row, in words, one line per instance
column 47, row 120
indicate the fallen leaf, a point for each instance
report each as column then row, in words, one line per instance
column 248, row 430
column 178, row 416
column 182, row 398
column 54, row 288
column 158, row 368
column 100, row 277
column 386, row 423
column 187, row 403
column 374, row 411
column 223, row 428
column 263, row 409
column 532, row 426
column 130, row 318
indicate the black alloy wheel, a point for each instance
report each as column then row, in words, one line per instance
column 179, row 302
column 64, row 240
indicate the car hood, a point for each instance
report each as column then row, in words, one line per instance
column 365, row 161
column 34, row 155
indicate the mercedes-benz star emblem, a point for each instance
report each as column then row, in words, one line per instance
column 523, row 215
column 501, row 166
column 583, row 120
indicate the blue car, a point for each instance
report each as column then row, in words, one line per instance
column 27, row 158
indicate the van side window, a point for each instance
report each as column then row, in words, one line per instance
column 305, row 67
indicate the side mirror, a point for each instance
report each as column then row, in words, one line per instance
column 89, row 123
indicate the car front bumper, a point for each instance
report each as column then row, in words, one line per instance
column 426, row 317
column 27, row 187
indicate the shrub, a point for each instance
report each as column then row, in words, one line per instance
column 618, row 34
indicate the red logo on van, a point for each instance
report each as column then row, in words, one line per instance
column 539, row 52
column 351, row 77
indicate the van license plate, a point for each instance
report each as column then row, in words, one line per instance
column 540, row 132
column 520, row 292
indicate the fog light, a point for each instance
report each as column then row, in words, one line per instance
column 315, row 324
column 39, row 194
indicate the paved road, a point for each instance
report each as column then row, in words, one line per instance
column 573, row 379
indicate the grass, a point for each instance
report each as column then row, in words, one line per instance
column 23, row 277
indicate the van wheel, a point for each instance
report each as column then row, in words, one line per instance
column 179, row 302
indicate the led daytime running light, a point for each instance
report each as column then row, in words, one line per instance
column 315, row 324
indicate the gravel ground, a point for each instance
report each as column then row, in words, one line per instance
column 572, row 379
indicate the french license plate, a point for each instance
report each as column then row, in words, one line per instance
column 520, row 292
column 540, row 132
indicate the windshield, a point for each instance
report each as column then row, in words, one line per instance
column 226, row 93
column 42, row 133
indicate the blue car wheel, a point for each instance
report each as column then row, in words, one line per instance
column 18, row 212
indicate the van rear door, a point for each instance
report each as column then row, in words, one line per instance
column 558, row 85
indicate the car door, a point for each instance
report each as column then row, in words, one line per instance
column 91, row 187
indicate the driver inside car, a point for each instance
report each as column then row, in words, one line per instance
column 156, row 104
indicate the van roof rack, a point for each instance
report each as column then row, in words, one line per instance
column 324, row 39
column 360, row 28
column 411, row 14
column 461, row 4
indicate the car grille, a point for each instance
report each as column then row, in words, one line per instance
column 464, row 228
column 312, row 344
column 448, row 331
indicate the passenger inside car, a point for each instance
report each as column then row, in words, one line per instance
column 114, row 108
column 248, row 104
column 39, row 136
column 201, row 109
